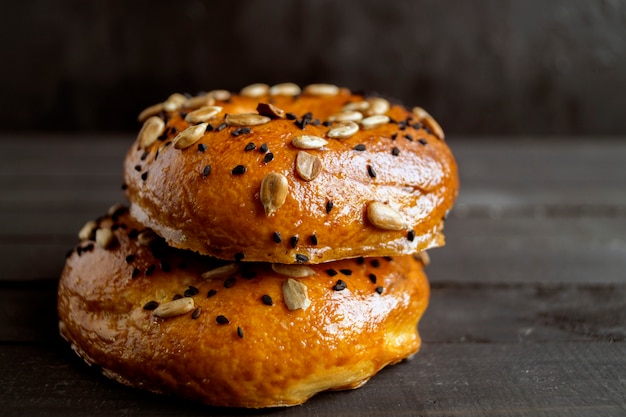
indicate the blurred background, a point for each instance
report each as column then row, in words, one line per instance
column 482, row 67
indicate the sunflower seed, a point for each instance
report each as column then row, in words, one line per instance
column 343, row 130
column 150, row 111
column 377, row 105
column 429, row 122
column 255, row 90
column 308, row 142
column 225, row 271
column 321, row 89
column 174, row 308
column 147, row 237
column 285, row 89
column 271, row 111
column 295, row 295
column 189, row 136
column 203, row 114
column 293, row 271
column 150, row 131
column 174, row 102
column 374, row 121
column 273, row 192
column 105, row 238
column 221, row 95
column 357, row 106
column 423, row 257
column 246, row 119
column 308, row 166
column 87, row 230
column 346, row 116
column 384, row 217
column 198, row 101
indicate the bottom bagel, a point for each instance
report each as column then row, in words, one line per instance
column 233, row 334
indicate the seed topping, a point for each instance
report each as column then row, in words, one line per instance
column 360, row 147
column 329, row 206
column 410, row 235
column 174, row 308
column 285, row 89
column 267, row 300
column 246, row 119
column 239, row 170
column 273, row 193
column 105, row 238
column 308, row 142
column 372, row 122
column 429, row 122
column 343, row 130
column 190, row 136
column 221, row 95
column 346, row 116
column 293, row 271
column 295, row 295
column 371, row 172
column 203, row 114
column 276, row 237
column 147, row 237
column 240, row 332
column 340, row 285
column 196, row 313
column 308, row 166
column 395, row 151
column 198, row 101
column 271, row 111
column 150, row 131
column 150, row 305
column 255, row 90
column 377, row 105
column 321, row 89
column 87, row 230
column 149, row 112
column 250, row 147
column 221, row 320
column 174, row 102
column 384, row 217
column 225, row 271
column 301, row 258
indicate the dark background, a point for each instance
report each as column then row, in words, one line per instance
column 483, row 67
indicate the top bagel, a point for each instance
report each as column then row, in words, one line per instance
column 284, row 175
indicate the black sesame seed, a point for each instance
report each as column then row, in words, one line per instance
column 417, row 126
column 240, row 332
column 221, row 127
column 263, row 148
column 176, row 297
column 267, row 300
column 379, row 290
column 371, row 172
column 239, row 256
column 201, row 147
column 410, row 235
column 327, row 123
column 144, row 176
column 329, row 206
column 427, row 129
column 137, row 168
column 130, row 258
column 206, row 171
column 276, row 237
column 150, row 305
column 373, row 278
column 346, row 271
column 150, row 270
column 307, row 116
column 301, row 258
column 196, row 313
column 340, row 285
column 211, row 293
column 313, row 239
column 191, row 291
column 316, row 122
column 394, row 136
column 293, row 241
column 156, row 155
column 133, row 234
column 135, row 273
column 360, row 147
column 173, row 130
column 331, row 272
column 375, row 263
column 209, row 127
column 221, row 320
column 230, row 282
column 144, row 155
column 395, row 151
column 408, row 137
column 423, row 142
column 239, row 170
column 269, row 157
column 250, row 147
column 291, row 116
column 165, row 266
column 360, row 260
column 241, row 131
column 88, row 247
column 388, row 258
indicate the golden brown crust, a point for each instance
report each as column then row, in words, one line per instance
column 192, row 197
column 266, row 355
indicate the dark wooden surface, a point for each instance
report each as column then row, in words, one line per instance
column 528, row 306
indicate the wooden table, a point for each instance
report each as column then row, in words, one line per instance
column 528, row 307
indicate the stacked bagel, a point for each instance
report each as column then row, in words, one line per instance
column 273, row 247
